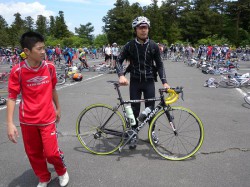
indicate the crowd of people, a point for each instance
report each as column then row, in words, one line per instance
column 110, row 53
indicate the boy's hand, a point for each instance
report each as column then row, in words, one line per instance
column 12, row 133
column 58, row 116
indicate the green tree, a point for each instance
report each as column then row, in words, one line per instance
column 100, row 40
column 153, row 13
column 118, row 23
column 203, row 20
column 29, row 23
column 52, row 26
column 172, row 12
column 41, row 25
column 237, row 26
column 61, row 27
column 16, row 30
column 85, row 32
column 4, row 41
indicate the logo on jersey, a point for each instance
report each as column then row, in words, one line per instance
column 37, row 81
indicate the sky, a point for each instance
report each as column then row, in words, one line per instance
column 76, row 12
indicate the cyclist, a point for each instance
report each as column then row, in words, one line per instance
column 49, row 53
column 83, row 59
column 58, row 52
column 142, row 53
column 68, row 56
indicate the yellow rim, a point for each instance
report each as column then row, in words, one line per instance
column 79, row 135
column 190, row 154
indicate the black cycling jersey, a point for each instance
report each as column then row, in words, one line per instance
column 142, row 58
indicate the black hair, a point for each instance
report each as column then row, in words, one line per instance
column 30, row 38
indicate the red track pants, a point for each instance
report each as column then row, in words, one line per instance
column 40, row 143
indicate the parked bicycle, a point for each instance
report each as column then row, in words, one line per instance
column 103, row 129
column 235, row 81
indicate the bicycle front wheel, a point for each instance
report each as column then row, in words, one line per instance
column 188, row 137
column 247, row 99
column 100, row 129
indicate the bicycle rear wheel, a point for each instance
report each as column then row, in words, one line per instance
column 227, row 84
column 187, row 141
column 100, row 129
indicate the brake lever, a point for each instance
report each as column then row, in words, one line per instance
column 182, row 93
column 179, row 90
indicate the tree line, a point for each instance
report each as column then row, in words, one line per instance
column 184, row 21
column 53, row 29
column 175, row 21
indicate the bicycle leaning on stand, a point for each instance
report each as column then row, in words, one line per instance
column 103, row 129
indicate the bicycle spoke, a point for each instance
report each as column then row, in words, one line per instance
column 185, row 142
column 103, row 129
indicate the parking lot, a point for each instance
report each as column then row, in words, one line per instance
column 223, row 160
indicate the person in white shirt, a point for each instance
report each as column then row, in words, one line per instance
column 108, row 53
column 115, row 53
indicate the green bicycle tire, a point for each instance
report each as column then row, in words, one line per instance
column 184, row 119
column 92, row 137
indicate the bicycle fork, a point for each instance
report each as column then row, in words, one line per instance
column 171, row 122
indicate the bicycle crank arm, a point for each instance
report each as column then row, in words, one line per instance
column 127, row 141
column 124, row 144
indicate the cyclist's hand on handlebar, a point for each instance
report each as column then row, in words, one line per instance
column 123, row 80
column 165, row 85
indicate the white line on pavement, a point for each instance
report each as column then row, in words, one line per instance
column 241, row 92
column 59, row 88
column 74, row 83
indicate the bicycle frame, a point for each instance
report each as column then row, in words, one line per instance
column 130, row 132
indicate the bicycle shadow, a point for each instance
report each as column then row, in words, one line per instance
column 147, row 152
column 28, row 178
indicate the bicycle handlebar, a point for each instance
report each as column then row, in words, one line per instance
column 173, row 94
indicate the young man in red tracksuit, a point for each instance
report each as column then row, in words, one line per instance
column 39, row 109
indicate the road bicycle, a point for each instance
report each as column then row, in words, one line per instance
column 102, row 129
column 235, row 81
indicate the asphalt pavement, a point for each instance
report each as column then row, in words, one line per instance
column 222, row 161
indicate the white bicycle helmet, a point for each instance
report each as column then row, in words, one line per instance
column 140, row 20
